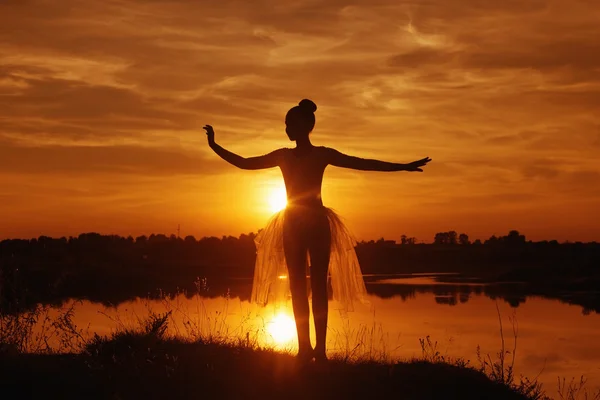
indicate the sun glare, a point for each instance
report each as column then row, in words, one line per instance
column 282, row 328
column 277, row 199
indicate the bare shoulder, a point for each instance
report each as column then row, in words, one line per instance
column 328, row 155
column 327, row 150
column 281, row 153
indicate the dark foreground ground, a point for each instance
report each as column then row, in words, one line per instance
column 142, row 367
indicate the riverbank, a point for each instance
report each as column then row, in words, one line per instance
column 149, row 364
column 179, row 370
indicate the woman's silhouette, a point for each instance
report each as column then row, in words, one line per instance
column 305, row 228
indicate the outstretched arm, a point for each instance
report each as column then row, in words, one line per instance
column 364, row 164
column 261, row 162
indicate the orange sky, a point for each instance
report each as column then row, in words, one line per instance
column 102, row 104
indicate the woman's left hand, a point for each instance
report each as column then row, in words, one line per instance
column 415, row 166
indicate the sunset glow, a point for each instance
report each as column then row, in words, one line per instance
column 277, row 199
column 103, row 104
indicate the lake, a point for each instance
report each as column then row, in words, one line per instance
column 554, row 338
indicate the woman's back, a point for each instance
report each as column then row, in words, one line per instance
column 303, row 174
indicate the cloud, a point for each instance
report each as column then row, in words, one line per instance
column 487, row 89
column 82, row 160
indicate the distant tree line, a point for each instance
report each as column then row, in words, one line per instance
column 112, row 268
column 514, row 238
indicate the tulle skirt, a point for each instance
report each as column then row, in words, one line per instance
column 271, row 283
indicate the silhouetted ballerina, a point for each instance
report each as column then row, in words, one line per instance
column 306, row 227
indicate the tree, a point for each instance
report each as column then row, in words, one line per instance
column 189, row 239
column 464, row 239
column 492, row 240
column 452, row 237
column 141, row 239
column 514, row 238
column 441, row 238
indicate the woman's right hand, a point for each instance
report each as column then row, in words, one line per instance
column 210, row 133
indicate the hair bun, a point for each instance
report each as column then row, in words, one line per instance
column 308, row 105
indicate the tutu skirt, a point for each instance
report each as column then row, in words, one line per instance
column 271, row 284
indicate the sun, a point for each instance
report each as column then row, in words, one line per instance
column 282, row 328
column 277, row 199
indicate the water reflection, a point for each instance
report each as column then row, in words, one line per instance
column 444, row 292
column 452, row 290
column 447, row 288
column 554, row 337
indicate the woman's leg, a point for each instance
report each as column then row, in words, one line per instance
column 320, row 248
column 295, row 256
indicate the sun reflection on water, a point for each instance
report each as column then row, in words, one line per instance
column 282, row 328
